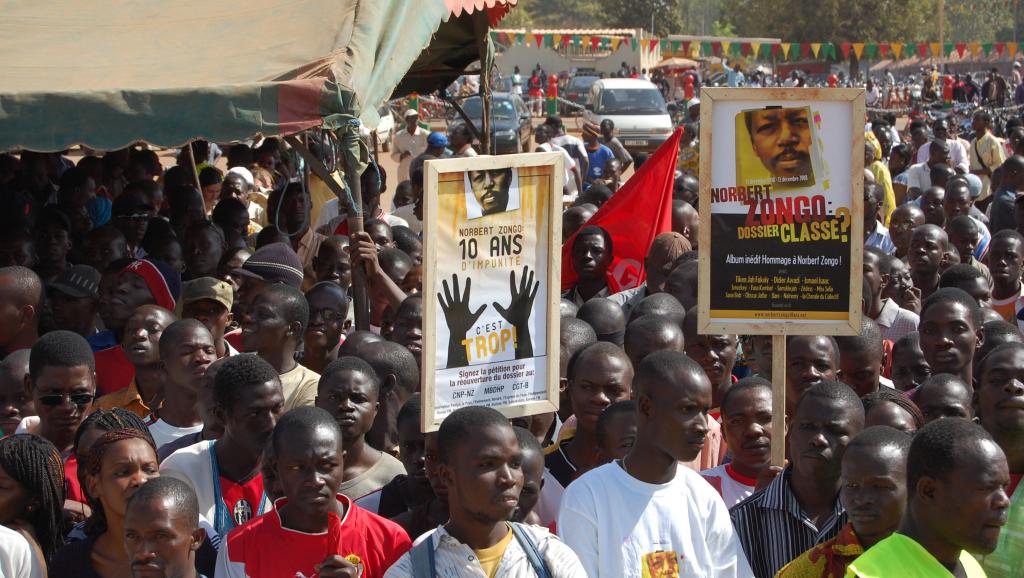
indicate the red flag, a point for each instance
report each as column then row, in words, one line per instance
column 845, row 48
column 636, row 214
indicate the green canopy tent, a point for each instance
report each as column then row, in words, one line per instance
column 108, row 74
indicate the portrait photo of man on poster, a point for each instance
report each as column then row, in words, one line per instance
column 780, row 148
column 491, row 191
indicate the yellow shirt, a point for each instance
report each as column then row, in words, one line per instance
column 127, row 398
column 988, row 153
column 299, row 387
column 490, row 558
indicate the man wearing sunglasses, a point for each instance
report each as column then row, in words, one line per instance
column 62, row 379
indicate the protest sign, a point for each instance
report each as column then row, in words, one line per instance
column 780, row 211
column 491, row 231
column 781, row 219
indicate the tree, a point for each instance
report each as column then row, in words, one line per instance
column 559, row 14
column 833, row 20
column 666, row 15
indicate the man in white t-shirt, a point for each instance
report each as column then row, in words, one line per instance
column 958, row 153
column 572, row 144
column 919, row 177
column 573, row 180
column 747, row 426
column 647, row 515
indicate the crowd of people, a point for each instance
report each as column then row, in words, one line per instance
column 183, row 393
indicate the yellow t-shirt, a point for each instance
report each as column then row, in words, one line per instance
column 490, row 558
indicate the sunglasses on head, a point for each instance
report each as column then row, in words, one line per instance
column 78, row 399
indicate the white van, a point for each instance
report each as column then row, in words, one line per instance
column 636, row 107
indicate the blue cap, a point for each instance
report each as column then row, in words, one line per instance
column 437, row 139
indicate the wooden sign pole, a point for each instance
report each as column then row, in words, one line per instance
column 778, row 400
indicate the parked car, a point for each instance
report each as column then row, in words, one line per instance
column 577, row 91
column 636, row 107
column 510, row 121
column 385, row 129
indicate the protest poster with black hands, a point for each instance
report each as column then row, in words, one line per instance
column 491, row 235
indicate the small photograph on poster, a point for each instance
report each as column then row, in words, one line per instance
column 491, row 191
column 778, row 146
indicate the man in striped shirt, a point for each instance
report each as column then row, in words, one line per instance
column 801, row 507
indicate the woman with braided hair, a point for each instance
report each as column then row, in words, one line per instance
column 116, row 465
column 32, row 492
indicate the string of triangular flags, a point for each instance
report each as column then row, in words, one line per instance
column 779, row 51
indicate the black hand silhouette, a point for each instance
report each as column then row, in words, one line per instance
column 459, row 319
column 518, row 311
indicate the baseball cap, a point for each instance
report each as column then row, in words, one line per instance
column 410, row 112
column 164, row 281
column 274, row 263
column 78, row 281
column 207, row 288
column 437, row 139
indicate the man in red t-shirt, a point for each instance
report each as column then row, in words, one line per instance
column 313, row 530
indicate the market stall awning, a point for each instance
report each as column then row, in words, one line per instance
column 496, row 9
column 106, row 74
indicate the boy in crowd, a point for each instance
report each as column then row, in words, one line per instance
column 999, row 399
column 970, row 280
column 209, row 301
column 928, row 244
column 328, row 311
column 141, row 344
column 810, row 359
column 15, row 401
column 411, row 489
column 322, row 531
column 481, row 464
column 874, row 489
column 399, row 378
column 801, row 508
column 648, row 515
column 944, row 395
column 21, row 292
column 616, row 430
column 161, row 529
column 651, row 333
column 956, row 506
column 909, row 367
column 599, row 376
column 62, row 379
column 148, row 281
column 333, row 262
column 1005, row 257
column 349, row 390
column 747, row 425
column 861, row 358
column 950, row 332
column 187, row 349
column 533, row 477
column 273, row 329
column 225, row 473
column 893, row 320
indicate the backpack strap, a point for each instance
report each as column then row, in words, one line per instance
column 422, row 558
column 532, row 553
